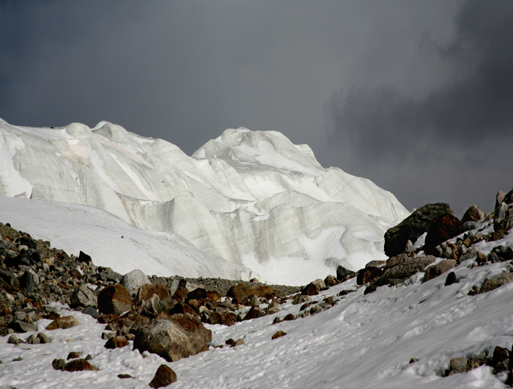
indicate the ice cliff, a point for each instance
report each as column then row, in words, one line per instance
column 250, row 197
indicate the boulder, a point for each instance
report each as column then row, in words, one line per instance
column 442, row 229
column 114, row 299
column 170, row 340
column 223, row 316
column 197, row 294
column 472, row 214
column 439, row 268
column 342, row 273
column 310, row 290
column 396, row 260
column 241, row 292
column 497, row 281
column 117, row 341
column 278, row 334
column 29, row 280
column 146, row 291
column 63, row 323
column 404, row 271
column 413, row 226
column 83, row 297
column 330, row 280
column 451, row 279
column 254, row 313
column 163, row 377
column 368, row 274
column 134, row 280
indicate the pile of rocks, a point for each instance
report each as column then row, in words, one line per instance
column 437, row 223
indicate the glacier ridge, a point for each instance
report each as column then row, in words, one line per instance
column 250, row 197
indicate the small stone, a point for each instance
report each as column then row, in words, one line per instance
column 124, row 376
column 118, row 341
column 458, row 365
column 163, row 377
column 63, row 323
column 451, row 279
column 342, row 272
column 278, row 334
column 33, row 339
column 58, row 364
column 239, row 342
column 74, row 355
column 230, row 342
column 79, row 365
column 13, row 339
column 413, row 360
column 17, row 359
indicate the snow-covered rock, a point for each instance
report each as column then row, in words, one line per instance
column 250, row 197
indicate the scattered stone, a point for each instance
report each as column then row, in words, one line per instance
column 404, row 271
column 147, row 291
column 368, row 274
column 83, row 297
column 442, row 229
column 439, row 268
column 58, row 364
column 114, row 299
column 278, row 334
column 413, row 360
column 497, row 281
column 163, row 377
column 310, row 290
column 396, row 260
column 133, row 280
column 413, row 226
column 472, row 214
column 33, row 339
column 117, row 341
column 170, row 340
column 74, row 355
column 451, row 279
column 241, row 292
column 254, row 313
column 330, row 280
column 79, row 365
column 13, row 339
column 342, row 273
column 124, row 376
column 23, row 326
column 230, row 342
column 458, row 365
column 91, row 311
column 63, row 323
column 239, row 342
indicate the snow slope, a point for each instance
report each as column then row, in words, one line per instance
column 364, row 341
column 111, row 242
column 250, row 197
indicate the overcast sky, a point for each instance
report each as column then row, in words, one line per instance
column 415, row 95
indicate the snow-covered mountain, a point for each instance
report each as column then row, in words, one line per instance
column 250, row 197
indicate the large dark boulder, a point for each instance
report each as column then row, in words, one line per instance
column 442, row 229
column 114, row 299
column 413, row 226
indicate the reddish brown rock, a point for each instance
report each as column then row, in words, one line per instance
column 74, row 355
column 146, row 291
column 117, row 341
column 330, row 281
column 442, row 229
column 63, row 323
column 79, row 365
column 310, row 290
column 213, row 296
column 181, row 294
column 224, row 317
column 368, row 274
column 241, row 292
column 278, row 334
column 254, row 313
column 114, row 299
column 163, row 377
column 473, row 214
column 197, row 294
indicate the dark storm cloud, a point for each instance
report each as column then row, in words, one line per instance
column 185, row 71
column 461, row 127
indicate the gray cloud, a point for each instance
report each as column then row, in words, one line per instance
column 455, row 133
column 185, row 71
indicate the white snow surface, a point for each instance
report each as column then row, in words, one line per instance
column 113, row 243
column 364, row 341
column 250, row 197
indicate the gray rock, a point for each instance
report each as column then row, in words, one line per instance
column 29, row 280
column 13, row 339
column 23, row 326
column 342, row 272
column 413, row 226
column 497, row 281
column 169, row 340
column 134, row 280
column 43, row 338
column 458, row 365
column 405, row 270
column 439, row 268
column 83, row 297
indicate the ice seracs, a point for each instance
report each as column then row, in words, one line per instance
column 250, row 197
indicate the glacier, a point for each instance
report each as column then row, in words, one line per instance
column 252, row 199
